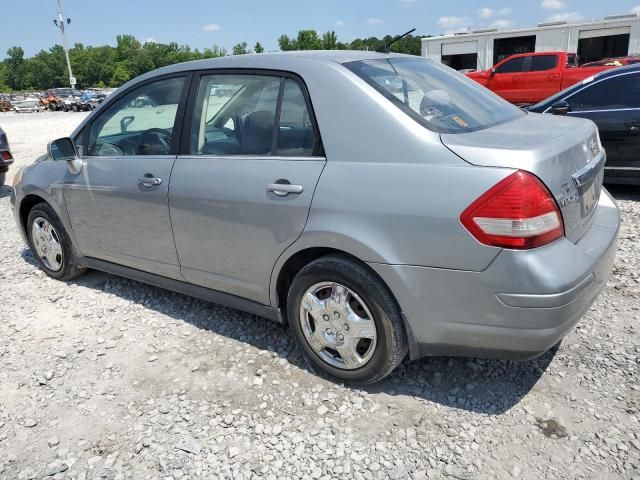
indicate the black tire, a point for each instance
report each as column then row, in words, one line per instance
column 70, row 268
column 391, row 345
column 3, row 177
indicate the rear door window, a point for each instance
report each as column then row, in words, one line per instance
column 239, row 114
column 540, row 63
column 612, row 93
column 296, row 136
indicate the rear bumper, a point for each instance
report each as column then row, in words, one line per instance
column 518, row 307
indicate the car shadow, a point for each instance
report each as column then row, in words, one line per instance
column 478, row 385
column 5, row 191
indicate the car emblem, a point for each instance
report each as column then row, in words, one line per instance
column 594, row 146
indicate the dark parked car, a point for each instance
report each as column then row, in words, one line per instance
column 612, row 100
column 6, row 158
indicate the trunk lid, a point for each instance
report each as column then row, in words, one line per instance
column 564, row 153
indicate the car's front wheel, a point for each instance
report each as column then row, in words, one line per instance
column 345, row 321
column 51, row 245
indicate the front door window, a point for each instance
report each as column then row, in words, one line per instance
column 140, row 123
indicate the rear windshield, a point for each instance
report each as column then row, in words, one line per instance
column 436, row 96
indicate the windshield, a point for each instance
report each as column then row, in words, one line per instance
column 437, row 97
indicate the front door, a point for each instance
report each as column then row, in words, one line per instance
column 118, row 203
column 506, row 80
column 241, row 193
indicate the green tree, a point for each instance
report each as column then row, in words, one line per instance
column 15, row 68
column 286, row 44
column 258, row 48
column 120, row 75
column 308, row 40
column 330, row 40
column 240, row 49
column 214, row 52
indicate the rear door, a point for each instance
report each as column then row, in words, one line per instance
column 542, row 77
column 506, row 80
column 242, row 187
column 613, row 104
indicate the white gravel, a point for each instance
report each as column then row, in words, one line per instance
column 108, row 378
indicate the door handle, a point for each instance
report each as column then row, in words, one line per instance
column 282, row 188
column 149, row 181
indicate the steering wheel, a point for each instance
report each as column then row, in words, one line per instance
column 109, row 149
column 160, row 135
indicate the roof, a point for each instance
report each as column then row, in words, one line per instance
column 618, row 70
column 285, row 61
column 620, row 21
column 259, row 60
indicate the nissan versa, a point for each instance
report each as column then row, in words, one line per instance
column 378, row 204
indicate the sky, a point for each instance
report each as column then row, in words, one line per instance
column 204, row 23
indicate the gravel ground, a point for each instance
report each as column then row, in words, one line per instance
column 104, row 377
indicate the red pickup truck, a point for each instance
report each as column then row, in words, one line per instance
column 531, row 77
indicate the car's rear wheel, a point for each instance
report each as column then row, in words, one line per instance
column 3, row 178
column 51, row 245
column 345, row 321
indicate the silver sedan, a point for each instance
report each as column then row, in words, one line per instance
column 377, row 204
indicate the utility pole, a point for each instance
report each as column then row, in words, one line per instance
column 61, row 22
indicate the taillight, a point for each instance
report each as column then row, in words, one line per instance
column 518, row 212
column 4, row 155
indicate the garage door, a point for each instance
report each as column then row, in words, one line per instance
column 459, row 48
column 604, row 32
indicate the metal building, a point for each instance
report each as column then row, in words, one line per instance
column 614, row 36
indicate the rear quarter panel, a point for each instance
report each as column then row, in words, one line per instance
column 391, row 192
column 571, row 76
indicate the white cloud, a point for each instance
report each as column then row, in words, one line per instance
column 212, row 27
column 565, row 17
column 339, row 23
column 408, row 2
column 452, row 22
column 501, row 23
column 486, row 12
column 552, row 4
column 636, row 10
column 504, row 11
column 373, row 21
column 150, row 40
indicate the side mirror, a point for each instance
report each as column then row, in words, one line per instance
column 62, row 149
column 560, row 108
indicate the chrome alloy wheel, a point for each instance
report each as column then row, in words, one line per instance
column 47, row 244
column 338, row 325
